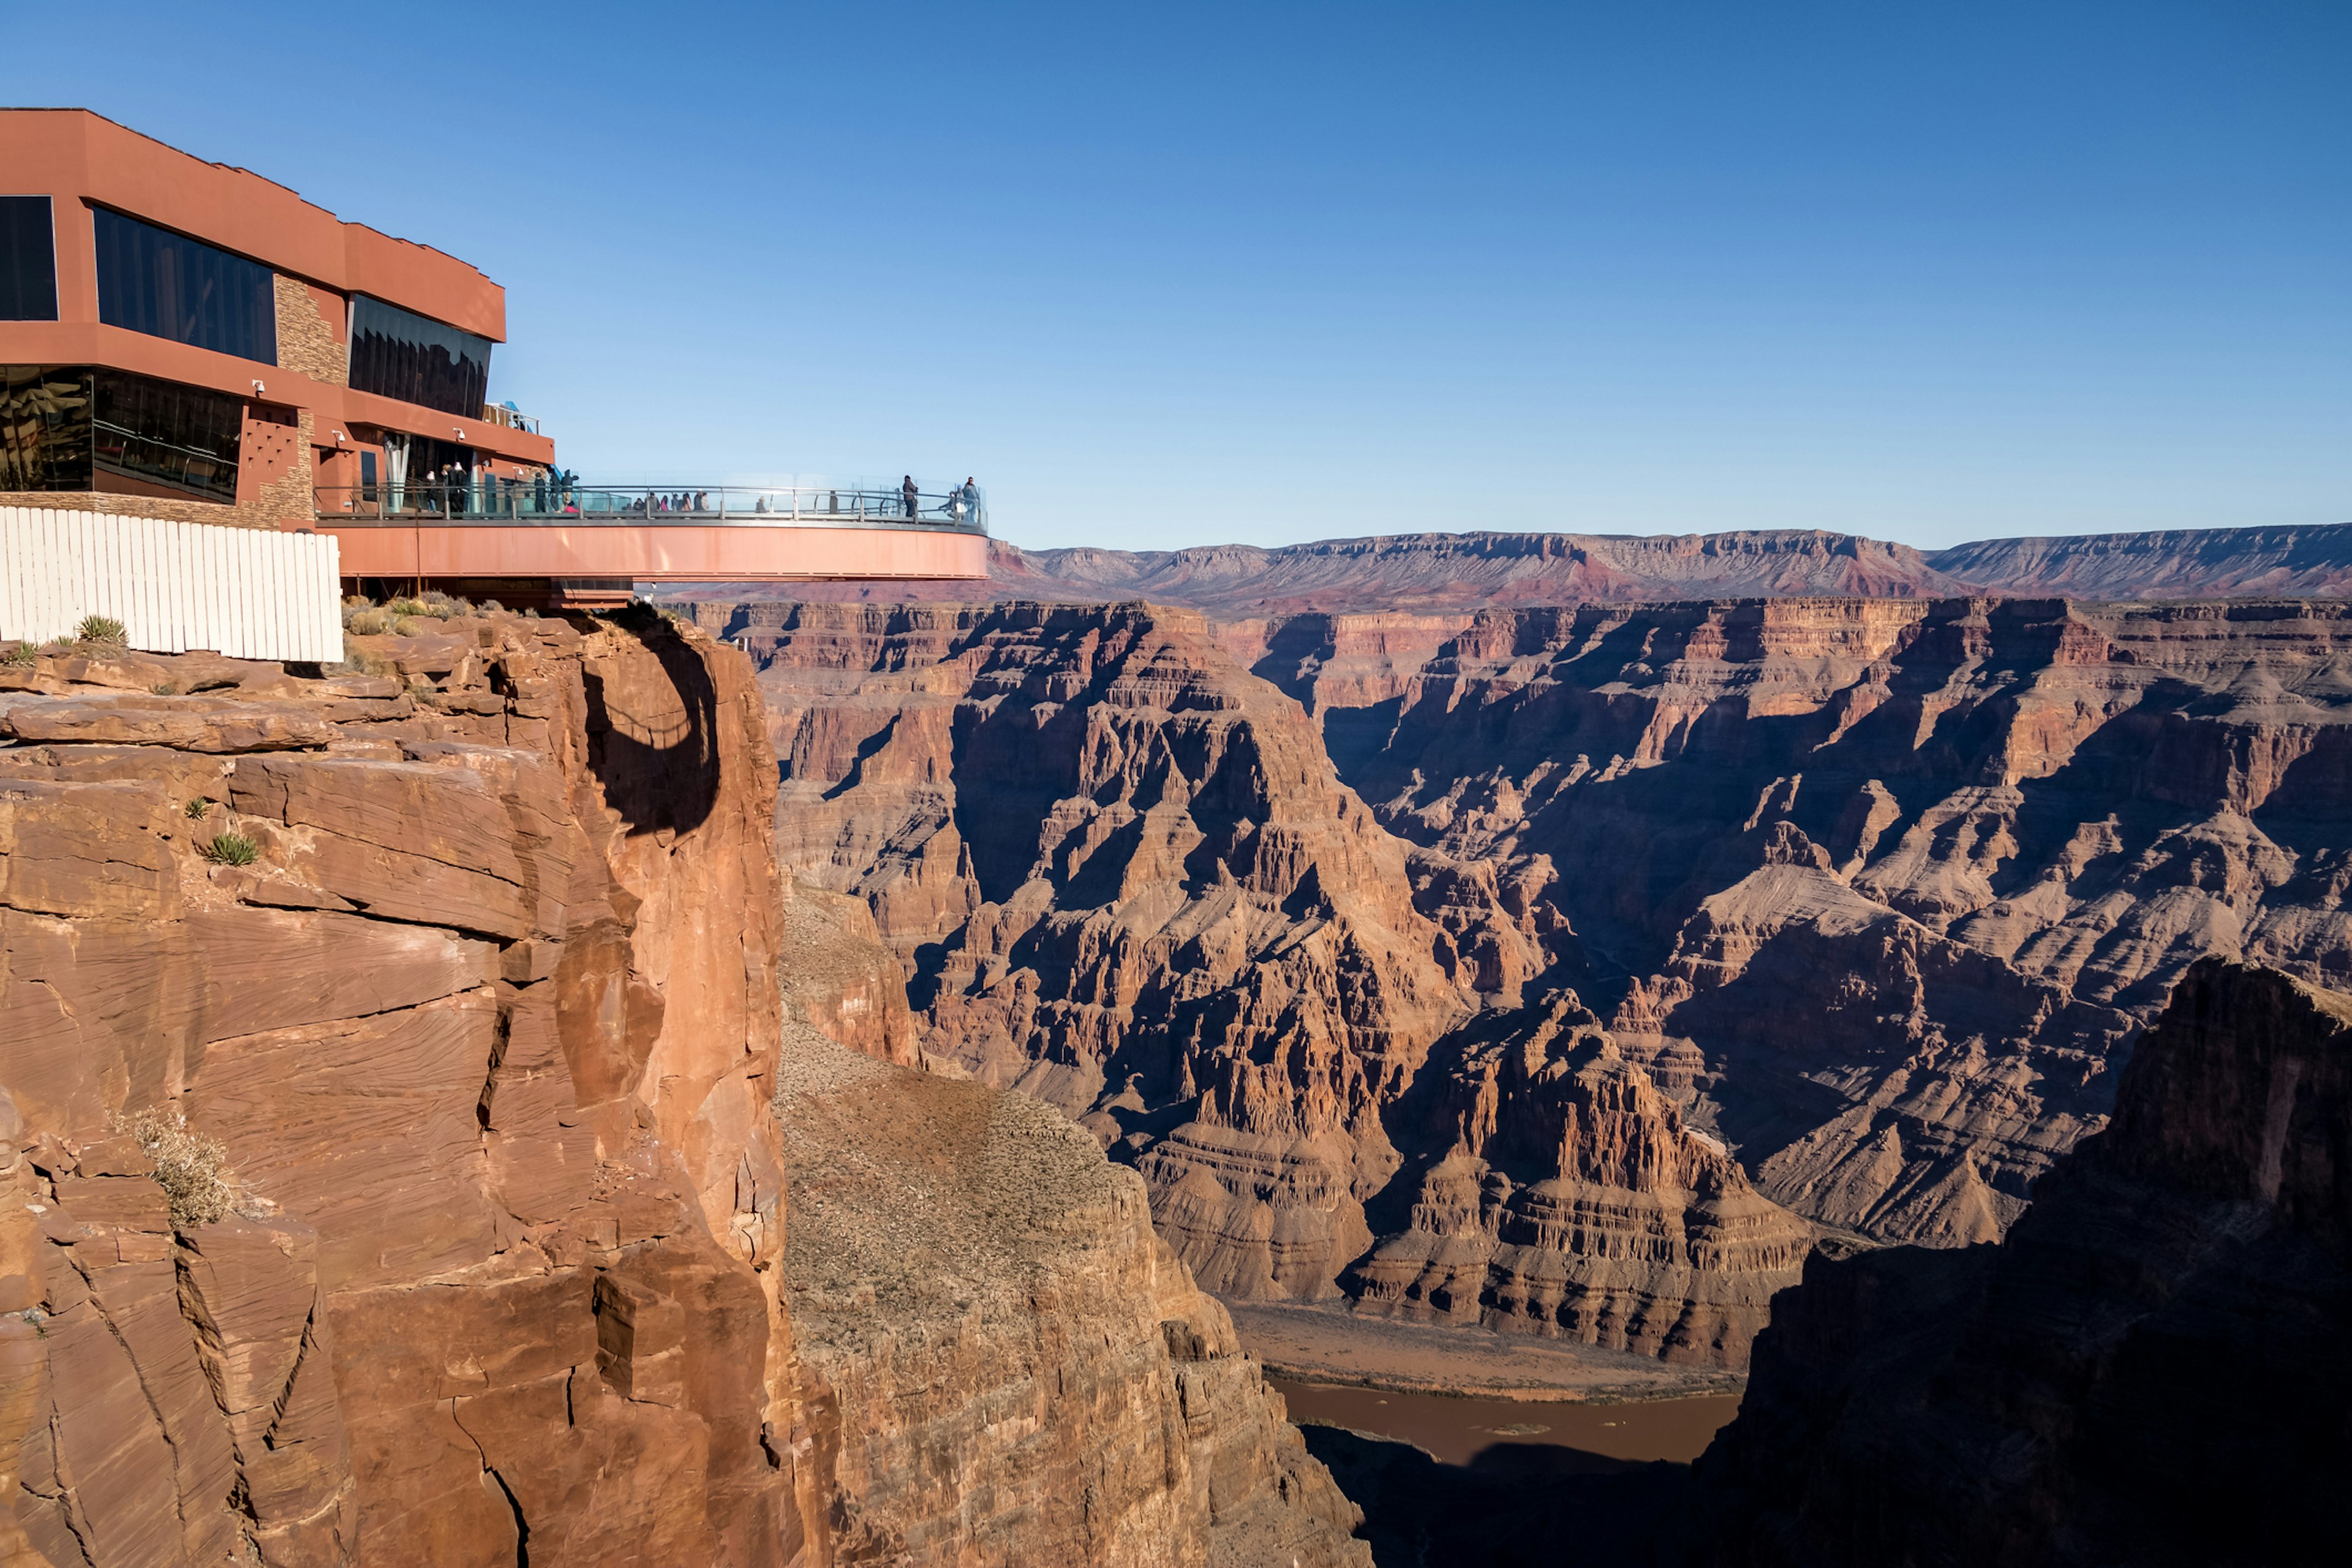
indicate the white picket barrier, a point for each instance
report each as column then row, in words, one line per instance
column 247, row 593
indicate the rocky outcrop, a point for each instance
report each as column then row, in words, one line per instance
column 468, row 968
column 1565, row 1194
column 1007, row 1365
column 2149, row 1368
column 1123, row 877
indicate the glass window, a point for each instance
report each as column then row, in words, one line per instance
column 44, row 428
column 158, row 438
column 28, row 260
column 399, row 354
column 168, row 286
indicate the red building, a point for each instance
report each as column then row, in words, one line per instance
column 188, row 339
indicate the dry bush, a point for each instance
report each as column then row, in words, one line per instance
column 191, row 1169
column 368, row 622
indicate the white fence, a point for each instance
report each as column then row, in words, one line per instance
column 243, row 591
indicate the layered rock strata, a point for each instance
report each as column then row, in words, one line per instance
column 1006, row 1365
column 2149, row 1368
column 1879, row 890
column 485, row 1022
column 1123, row 877
column 1565, row 1194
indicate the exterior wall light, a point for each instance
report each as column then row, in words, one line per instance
column 258, row 387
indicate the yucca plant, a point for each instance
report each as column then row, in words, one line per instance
column 103, row 629
column 230, row 849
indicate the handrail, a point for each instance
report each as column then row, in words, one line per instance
column 489, row 502
column 497, row 413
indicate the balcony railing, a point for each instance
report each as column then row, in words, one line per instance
column 553, row 503
column 495, row 413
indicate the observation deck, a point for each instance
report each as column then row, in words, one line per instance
column 581, row 543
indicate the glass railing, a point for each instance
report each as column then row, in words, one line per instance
column 553, row 502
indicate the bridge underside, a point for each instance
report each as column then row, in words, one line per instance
column 564, row 563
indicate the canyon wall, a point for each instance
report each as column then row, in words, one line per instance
column 1870, row 895
column 1123, row 877
column 2149, row 1368
column 1005, row 1364
column 484, row 1025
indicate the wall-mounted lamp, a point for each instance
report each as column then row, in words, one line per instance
column 461, row 435
column 258, row 387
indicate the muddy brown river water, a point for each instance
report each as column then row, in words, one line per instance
column 1456, row 1430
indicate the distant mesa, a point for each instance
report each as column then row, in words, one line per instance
column 1467, row 572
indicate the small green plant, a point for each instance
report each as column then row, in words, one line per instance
column 103, row 629
column 230, row 849
column 191, row 1169
column 24, row 653
column 195, row 810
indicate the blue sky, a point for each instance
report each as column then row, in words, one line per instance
column 1188, row 274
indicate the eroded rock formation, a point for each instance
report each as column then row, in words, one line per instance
column 487, row 1027
column 1124, row 877
column 1006, row 1365
column 2150, row 1369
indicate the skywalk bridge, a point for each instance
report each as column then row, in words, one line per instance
column 541, row 540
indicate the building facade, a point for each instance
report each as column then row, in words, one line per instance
column 181, row 338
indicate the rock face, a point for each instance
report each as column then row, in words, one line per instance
column 2150, row 1369
column 1125, row 878
column 1464, row 573
column 487, row 1028
column 1879, row 890
column 1006, row 1365
column 1565, row 1190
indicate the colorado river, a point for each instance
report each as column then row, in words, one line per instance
column 1456, row 1429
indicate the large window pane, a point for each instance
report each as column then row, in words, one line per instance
column 44, row 428
column 399, row 354
column 158, row 438
column 28, row 260
column 168, row 286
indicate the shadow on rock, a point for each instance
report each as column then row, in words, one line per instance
column 1514, row 1505
column 654, row 746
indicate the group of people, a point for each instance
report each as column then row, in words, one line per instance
column 963, row 503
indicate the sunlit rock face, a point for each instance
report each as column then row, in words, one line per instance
column 485, row 1024
column 1873, row 891
column 1125, row 877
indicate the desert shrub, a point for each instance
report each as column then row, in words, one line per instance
column 101, row 629
column 358, row 660
column 446, row 605
column 195, row 809
column 492, row 607
column 165, row 688
column 410, row 627
column 230, row 849
column 368, row 623
column 191, row 1169
column 408, row 607
column 23, row 653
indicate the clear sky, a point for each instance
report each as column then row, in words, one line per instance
column 1164, row 276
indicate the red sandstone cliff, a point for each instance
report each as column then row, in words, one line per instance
column 487, row 1027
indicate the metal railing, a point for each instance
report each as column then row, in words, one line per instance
column 497, row 413
column 553, row 502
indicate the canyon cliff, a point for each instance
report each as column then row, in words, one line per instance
column 1865, row 898
column 389, row 1069
column 1006, row 1365
column 1125, row 878
column 2149, row 1368
column 486, row 1027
